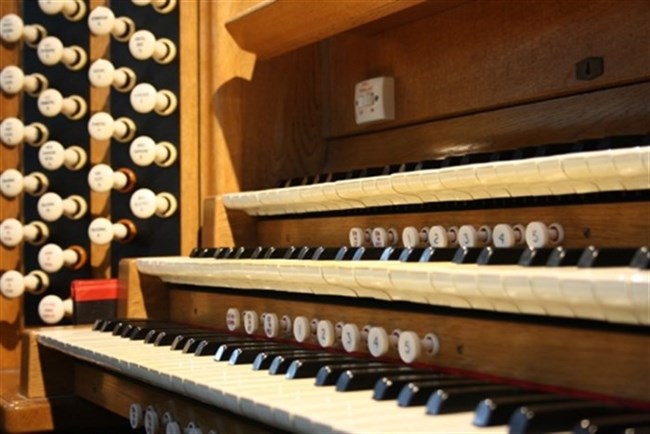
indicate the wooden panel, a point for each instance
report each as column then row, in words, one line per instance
column 117, row 393
column 486, row 54
column 584, row 225
column 11, row 318
column 139, row 295
column 44, row 372
column 623, row 110
column 543, row 351
column 273, row 27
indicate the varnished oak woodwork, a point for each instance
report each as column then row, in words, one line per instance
column 485, row 54
column 117, row 393
column 618, row 111
column 11, row 318
column 272, row 27
column 139, row 295
column 584, row 225
column 44, row 372
column 568, row 355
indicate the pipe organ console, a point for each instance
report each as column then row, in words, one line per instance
column 224, row 246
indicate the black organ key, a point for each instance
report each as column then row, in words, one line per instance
column 442, row 254
column 125, row 329
column 181, row 341
column 108, row 324
column 641, row 259
column 281, row 363
column 389, row 387
column 246, row 355
column 538, row 418
column 225, row 350
column 612, row 257
column 209, row 346
column 535, row 257
column 500, row 256
column 466, row 255
column 415, row 254
column 497, row 410
column 247, row 253
column 329, row 253
column 153, row 334
column 167, row 338
column 329, row 374
column 455, row 399
column 224, row 253
column 264, row 359
column 306, row 368
column 118, row 326
column 620, row 424
column 418, row 392
column 561, row 257
column 361, row 379
column 139, row 333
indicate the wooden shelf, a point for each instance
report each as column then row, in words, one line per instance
column 273, row 27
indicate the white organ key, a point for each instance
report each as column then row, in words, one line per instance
column 12, row 183
column 410, row 346
column 145, row 151
column 13, row 284
column 539, row 235
column 13, row 80
column 145, row 203
column 143, row 45
column 102, row 21
column 102, row 73
column 162, row 6
column 12, row 29
column 145, row 98
column 52, row 155
column 73, row 10
column 51, row 51
column 51, row 207
column 441, row 237
column 504, row 235
column 51, row 103
column 102, row 231
column 102, row 126
column 12, row 232
column 52, row 258
column 13, row 132
column 52, row 309
column 103, row 178
column 469, row 236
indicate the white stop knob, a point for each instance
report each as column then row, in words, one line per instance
column 102, row 73
column 12, row 183
column 52, row 156
column 162, row 6
column 504, row 235
column 356, row 237
column 52, row 258
column 173, row 428
column 73, row 10
column 12, row 132
column 51, row 51
column 12, row 232
column 144, row 151
column 145, row 99
column 52, row 309
column 103, row 178
column 51, row 103
column 11, row 28
column 51, row 207
column 13, row 284
column 102, row 126
column 102, row 231
column 145, row 203
column 151, row 421
column 143, row 45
